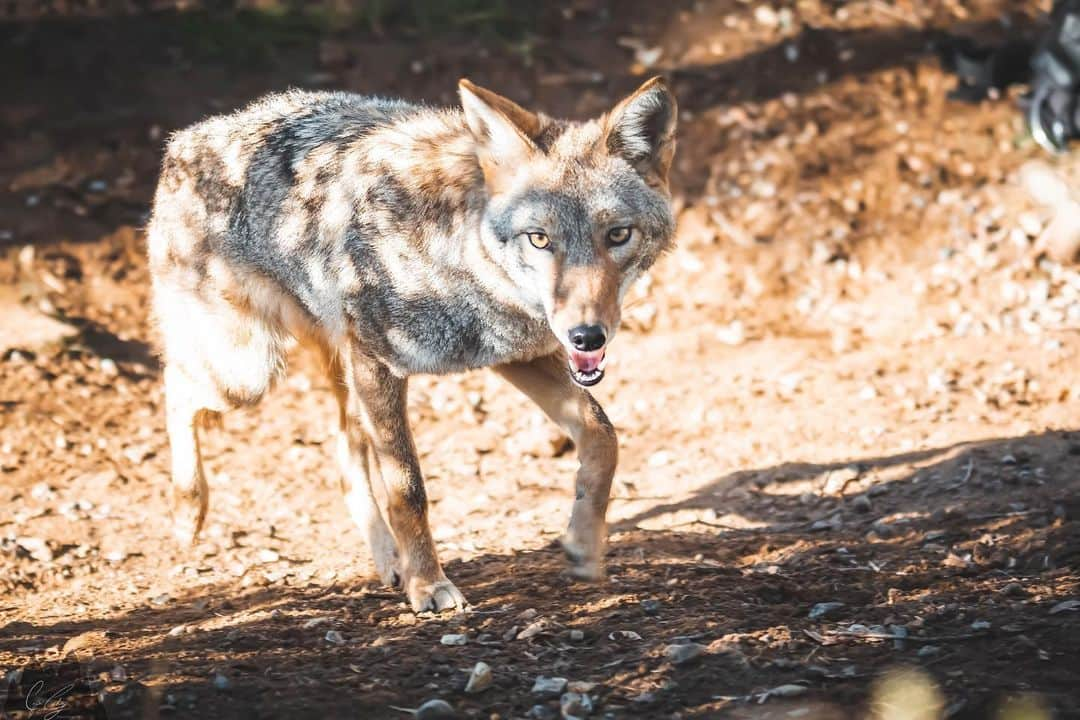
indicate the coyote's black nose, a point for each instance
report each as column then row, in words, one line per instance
column 588, row 337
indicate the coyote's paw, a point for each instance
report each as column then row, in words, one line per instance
column 585, row 563
column 435, row 597
column 187, row 522
column 387, row 564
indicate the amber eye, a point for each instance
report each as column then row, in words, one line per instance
column 619, row 235
column 539, row 240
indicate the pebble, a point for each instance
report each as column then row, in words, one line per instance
column 861, row 503
column 683, row 653
column 1064, row 606
column 36, row 548
column 534, row 628
column 267, row 555
column 480, row 678
column 549, row 686
column 333, row 636
column 650, row 607
column 623, row 635
column 980, row 625
column 221, row 682
column 820, row 610
column 1014, row 589
column 118, row 674
column 577, row 635
column 837, row 480
column 788, row 690
column 136, row 454
column 542, row 712
column 178, row 631
column 575, row 706
column 435, row 710
column 454, row 639
column 766, row 16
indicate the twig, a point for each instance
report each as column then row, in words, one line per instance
column 913, row 638
column 1015, row 513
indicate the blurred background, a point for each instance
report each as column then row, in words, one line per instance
column 845, row 400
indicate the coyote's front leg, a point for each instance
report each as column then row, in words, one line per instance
column 547, row 382
column 381, row 397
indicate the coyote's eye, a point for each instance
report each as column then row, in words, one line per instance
column 539, row 240
column 620, row 235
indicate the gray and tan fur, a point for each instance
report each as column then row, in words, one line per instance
column 400, row 239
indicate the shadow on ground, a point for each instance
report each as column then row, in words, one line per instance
column 966, row 553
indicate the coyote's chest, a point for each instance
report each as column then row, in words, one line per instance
column 445, row 330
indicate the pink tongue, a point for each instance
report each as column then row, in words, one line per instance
column 586, row 361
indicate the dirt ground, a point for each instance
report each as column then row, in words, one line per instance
column 851, row 383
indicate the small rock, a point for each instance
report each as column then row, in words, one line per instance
column 118, row 674
column 861, row 503
column 136, row 454
column 267, row 555
column 333, row 636
column 837, row 480
column 221, row 683
column 980, row 625
column 542, row 712
column 178, row 631
column 527, row 614
column 534, row 628
column 36, row 548
column 1065, row 606
column 623, row 635
column 577, row 635
column 766, row 16
column 683, row 653
column 822, row 609
column 786, row 691
column 454, row 639
column 650, row 607
column 928, row 650
column 1014, row 589
column 82, row 646
column 314, row 622
column 480, row 678
column 575, row 706
column 435, row 710
column 548, row 686
column 899, row 632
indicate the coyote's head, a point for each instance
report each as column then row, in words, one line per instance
column 576, row 211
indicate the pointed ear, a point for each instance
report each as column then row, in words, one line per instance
column 641, row 130
column 504, row 130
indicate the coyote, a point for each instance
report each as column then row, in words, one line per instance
column 400, row 239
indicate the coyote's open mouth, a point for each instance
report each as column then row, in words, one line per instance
column 587, row 368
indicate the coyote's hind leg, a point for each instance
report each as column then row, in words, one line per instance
column 189, row 489
column 358, row 475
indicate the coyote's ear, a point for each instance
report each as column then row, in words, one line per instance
column 503, row 129
column 641, row 130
